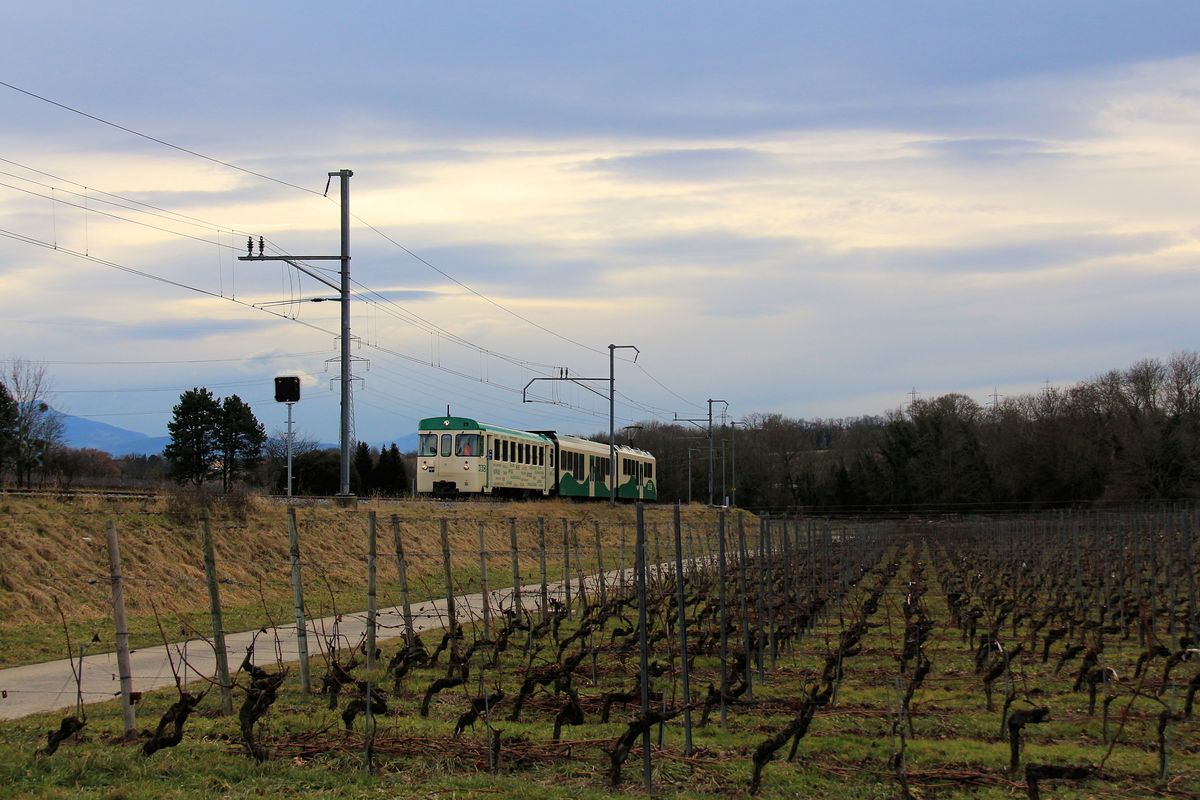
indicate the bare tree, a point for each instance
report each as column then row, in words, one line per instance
column 38, row 428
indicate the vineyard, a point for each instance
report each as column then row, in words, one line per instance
column 1052, row 655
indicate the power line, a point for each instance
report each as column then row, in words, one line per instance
column 147, row 137
column 478, row 294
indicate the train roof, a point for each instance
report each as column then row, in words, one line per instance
column 452, row 423
column 468, row 424
column 589, row 444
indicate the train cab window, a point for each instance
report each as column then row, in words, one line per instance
column 447, row 444
column 648, row 472
column 551, row 459
column 468, row 445
column 428, row 445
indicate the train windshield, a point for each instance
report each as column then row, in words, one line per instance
column 468, row 444
column 427, row 446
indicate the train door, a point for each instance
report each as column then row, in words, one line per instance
column 487, row 463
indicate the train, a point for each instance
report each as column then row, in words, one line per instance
column 462, row 457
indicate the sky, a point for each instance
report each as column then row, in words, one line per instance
column 812, row 209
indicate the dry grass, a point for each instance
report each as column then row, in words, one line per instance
column 54, row 548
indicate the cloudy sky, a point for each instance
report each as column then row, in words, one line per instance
column 806, row 208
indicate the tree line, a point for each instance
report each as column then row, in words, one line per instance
column 1125, row 436
column 214, row 442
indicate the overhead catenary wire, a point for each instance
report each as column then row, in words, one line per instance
column 156, row 140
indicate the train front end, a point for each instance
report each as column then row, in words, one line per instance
column 451, row 460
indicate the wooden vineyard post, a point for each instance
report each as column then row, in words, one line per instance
column 658, row 577
column 566, row 557
column 786, row 544
column 402, row 574
column 1189, row 564
column 761, row 603
column 603, row 594
column 214, row 598
column 516, row 567
column 724, row 621
column 683, row 648
column 371, row 598
column 118, row 596
column 483, row 587
column 744, row 591
column 298, row 602
column 621, row 564
column 545, row 596
column 580, row 579
column 643, row 647
column 451, row 614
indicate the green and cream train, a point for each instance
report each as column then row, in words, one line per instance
column 457, row 456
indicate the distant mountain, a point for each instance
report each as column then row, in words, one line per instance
column 79, row 432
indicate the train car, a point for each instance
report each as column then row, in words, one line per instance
column 458, row 456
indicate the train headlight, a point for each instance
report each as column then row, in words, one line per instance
column 467, row 465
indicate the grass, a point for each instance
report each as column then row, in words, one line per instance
column 955, row 752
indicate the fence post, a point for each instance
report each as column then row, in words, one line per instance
column 214, row 598
column 516, row 567
column 402, row 572
column 483, row 587
column 298, row 601
column 683, row 648
column 371, row 600
column 118, row 596
column 451, row 616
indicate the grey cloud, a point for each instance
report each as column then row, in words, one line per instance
column 1017, row 255
column 690, row 164
column 985, row 150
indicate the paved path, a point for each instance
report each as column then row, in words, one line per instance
column 38, row 688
